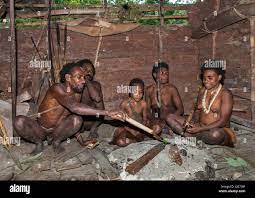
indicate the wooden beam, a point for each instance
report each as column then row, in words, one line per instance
column 252, row 43
column 13, row 63
column 166, row 17
column 152, row 7
column 137, row 165
column 41, row 14
column 141, row 7
column 224, row 18
column 93, row 10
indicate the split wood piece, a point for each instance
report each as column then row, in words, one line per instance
column 137, row 165
column 174, row 155
column 143, row 127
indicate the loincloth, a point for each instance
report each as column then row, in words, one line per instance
column 231, row 140
column 48, row 130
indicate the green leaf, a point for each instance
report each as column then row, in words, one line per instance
column 236, row 162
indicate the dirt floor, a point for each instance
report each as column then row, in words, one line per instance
column 107, row 162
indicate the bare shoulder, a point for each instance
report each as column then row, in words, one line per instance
column 150, row 88
column 124, row 103
column 172, row 88
column 57, row 88
column 144, row 103
column 201, row 91
column 96, row 84
column 226, row 93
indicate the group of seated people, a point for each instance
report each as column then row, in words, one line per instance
column 76, row 104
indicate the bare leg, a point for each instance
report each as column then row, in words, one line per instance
column 30, row 130
column 120, row 137
column 215, row 136
column 176, row 123
column 92, row 127
column 68, row 127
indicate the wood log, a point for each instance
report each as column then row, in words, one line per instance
column 224, row 18
column 137, row 165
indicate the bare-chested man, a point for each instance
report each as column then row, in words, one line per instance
column 60, row 111
column 212, row 114
column 92, row 96
column 162, row 97
column 136, row 108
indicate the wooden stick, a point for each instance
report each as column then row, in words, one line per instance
column 13, row 63
column 143, row 127
column 5, row 135
column 49, row 43
column 137, row 165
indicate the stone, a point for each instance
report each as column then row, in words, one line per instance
column 86, row 172
column 85, row 158
column 106, row 131
column 7, row 174
column 236, row 175
column 105, row 166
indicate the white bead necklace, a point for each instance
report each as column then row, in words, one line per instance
column 205, row 109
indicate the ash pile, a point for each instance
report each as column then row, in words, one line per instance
column 192, row 162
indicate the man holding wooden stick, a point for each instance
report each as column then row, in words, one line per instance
column 60, row 112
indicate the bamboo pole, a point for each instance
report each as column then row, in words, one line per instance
column 252, row 43
column 13, row 63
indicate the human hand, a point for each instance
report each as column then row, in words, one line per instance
column 117, row 115
column 194, row 130
column 156, row 129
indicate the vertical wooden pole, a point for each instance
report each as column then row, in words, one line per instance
column 49, row 43
column 160, row 28
column 216, row 7
column 13, row 62
column 252, row 43
column 105, row 4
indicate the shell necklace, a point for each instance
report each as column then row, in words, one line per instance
column 205, row 109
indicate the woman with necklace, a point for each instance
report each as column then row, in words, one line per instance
column 211, row 119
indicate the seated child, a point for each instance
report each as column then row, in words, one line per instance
column 136, row 108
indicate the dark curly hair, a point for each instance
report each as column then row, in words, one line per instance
column 83, row 62
column 135, row 82
column 217, row 70
column 156, row 68
column 66, row 69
